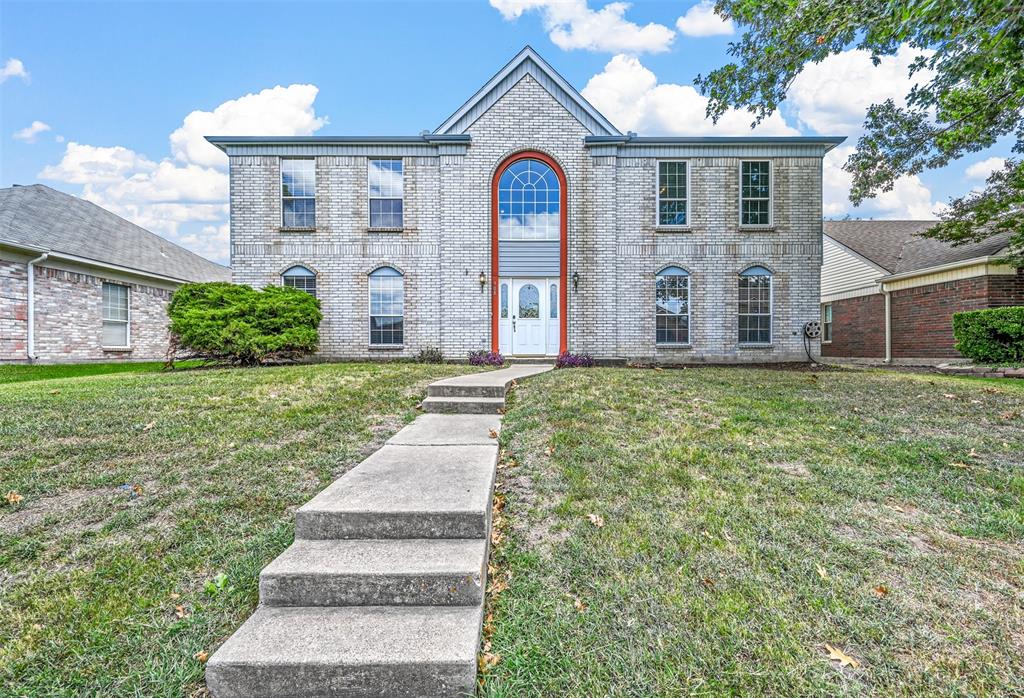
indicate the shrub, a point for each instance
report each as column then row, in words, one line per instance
column 486, row 358
column 238, row 324
column 430, row 355
column 569, row 360
column 992, row 336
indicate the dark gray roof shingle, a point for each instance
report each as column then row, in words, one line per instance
column 897, row 247
column 40, row 217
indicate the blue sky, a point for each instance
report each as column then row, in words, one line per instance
column 110, row 100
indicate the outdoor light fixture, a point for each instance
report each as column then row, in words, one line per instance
column 575, row 281
column 483, row 282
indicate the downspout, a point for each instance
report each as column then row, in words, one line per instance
column 888, row 324
column 30, row 350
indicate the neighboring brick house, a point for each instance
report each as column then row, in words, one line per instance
column 78, row 283
column 527, row 223
column 888, row 294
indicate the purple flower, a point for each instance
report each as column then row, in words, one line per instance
column 486, row 358
column 569, row 360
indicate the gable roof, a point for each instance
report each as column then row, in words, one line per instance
column 898, row 248
column 528, row 62
column 39, row 218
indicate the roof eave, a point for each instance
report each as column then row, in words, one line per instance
column 829, row 142
column 222, row 142
column 938, row 268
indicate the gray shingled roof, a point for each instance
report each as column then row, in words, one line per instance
column 897, row 247
column 40, row 217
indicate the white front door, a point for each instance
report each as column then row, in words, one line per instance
column 528, row 317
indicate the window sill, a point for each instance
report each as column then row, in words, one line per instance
column 385, row 230
column 283, row 229
column 673, row 229
column 117, row 350
column 673, row 346
column 755, row 345
column 386, row 347
column 757, row 228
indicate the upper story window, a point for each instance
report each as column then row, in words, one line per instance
column 673, row 189
column 115, row 315
column 672, row 306
column 826, row 322
column 301, row 278
column 387, row 307
column 529, row 202
column 298, row 193
column 387, row 187
column 755, row 306
column 755, row 193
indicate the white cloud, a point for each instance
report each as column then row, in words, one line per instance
column 631, row 97
column 184, row 197
column 58, row 139
column 981, row 170
column 13, row 68
column 701, row 20
column 832, row 97
column 29, row 133
column 571, row 24
column 909, row 198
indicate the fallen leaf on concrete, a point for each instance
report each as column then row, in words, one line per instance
column 13, row 497
column 596, row 520
column 836, row 654
column 492, row 433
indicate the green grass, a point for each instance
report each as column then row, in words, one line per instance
column 140, row 489
column 749, row 515
column 16, row 373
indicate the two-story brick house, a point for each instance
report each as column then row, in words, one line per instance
column 527, row 223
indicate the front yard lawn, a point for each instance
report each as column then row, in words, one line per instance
column 141, row 489
column 708, row 531
column 15, row 373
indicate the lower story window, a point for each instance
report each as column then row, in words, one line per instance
column 387, row 307
column 826, row 322
column 115, row 315
column 755, row 306
column 672, row 306
column 301, row 278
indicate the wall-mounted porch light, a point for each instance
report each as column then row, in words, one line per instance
column 575, row 281
column 483, row 281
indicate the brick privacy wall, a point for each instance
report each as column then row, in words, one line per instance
column 1006, row 290
column 858, row 328
column 69, row 316
column 613, row 243
column 922, row 317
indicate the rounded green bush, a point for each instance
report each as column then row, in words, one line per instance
column 238, row 324
column 991, row 336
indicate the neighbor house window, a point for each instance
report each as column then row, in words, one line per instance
column 755, row 306
column 298, row 193
column 301, row 278
column 387, row 307
column 529, row 202
column 672, row 193
column 387, row 187
column 115, row 315
column 826, row 322
column 672, row 306
column 755, row 192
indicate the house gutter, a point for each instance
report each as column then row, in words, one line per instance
column 888, row 325
column 30, row 348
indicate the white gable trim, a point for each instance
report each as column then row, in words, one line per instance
column 528, row 62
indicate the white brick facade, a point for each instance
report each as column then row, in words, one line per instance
column 613, row 243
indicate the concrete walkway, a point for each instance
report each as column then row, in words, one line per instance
column 382, row 592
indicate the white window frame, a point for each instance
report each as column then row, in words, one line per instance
column 312, row 275
column 771, row 196
column 771, row 308
column 127, row 323
column 369, row 308
column 826, row 307
column 369, row 198
column 280, row 173
column 689, row 306
column 657, row 195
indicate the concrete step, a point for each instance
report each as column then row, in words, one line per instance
column 458, row 390
column 350, row 651
column 377, row 573
column 449, row 430
column 463, row 405
column 407, row 492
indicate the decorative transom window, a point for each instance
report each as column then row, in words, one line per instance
column 755, row 306
column 672, row 306
column 529, row 203
column 115, row 315
column 301, row 278
column 755, row 192
column 298, row 193
column 826, row 322
column 386, row 183
column 672, row 193
column 387, row 307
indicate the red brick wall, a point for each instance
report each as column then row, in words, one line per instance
column 1006, row 290
column 858, row 328
column 922, row 317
